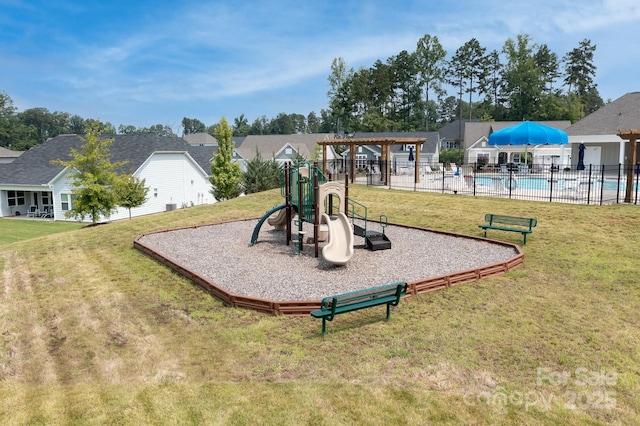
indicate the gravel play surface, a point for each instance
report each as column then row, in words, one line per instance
column 274, row 271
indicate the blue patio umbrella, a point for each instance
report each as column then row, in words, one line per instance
column 528, row 133
column 411, row 158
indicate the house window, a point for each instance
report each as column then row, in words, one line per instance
column 155, row 192
column 288, row 151
column 361, row 161
column 65, row 202
column 15, row 198
column 45, row 198
column 482, row 159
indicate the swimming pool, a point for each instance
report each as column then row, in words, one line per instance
column 522, row 182
column 544, row 184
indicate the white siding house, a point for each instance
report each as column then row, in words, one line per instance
column 174, row 178
column 599, row 132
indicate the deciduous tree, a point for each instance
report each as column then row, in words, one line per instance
column 131, row 192
column 192, row 125
column 523, row 79
column 241, row 126
column 93, row 176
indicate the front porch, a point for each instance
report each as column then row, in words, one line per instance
column 26, row 204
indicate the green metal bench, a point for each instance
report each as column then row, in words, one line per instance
column 523, row 225
column 331, row 306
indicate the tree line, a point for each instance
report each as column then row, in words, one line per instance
column 408, row 92
column 20, row 131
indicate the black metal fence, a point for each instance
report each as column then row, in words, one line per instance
column 604, row 184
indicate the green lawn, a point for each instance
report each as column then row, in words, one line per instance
column 12, row 230
column 94, row 332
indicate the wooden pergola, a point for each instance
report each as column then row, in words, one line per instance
column 385, row 152
column 632, row 136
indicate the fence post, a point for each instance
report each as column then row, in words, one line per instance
column 551, row 184
column 637, row 172
column 617, row 183
column 588, row 184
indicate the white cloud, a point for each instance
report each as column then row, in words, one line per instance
column 209, row 53
column 601, row 14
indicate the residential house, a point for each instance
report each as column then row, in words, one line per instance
column 200, row 139
column 205, row 139
column 8, row 156
column 370, row 154
column 450, row 134
column 599, row 132
column 478, row 150
column 284, row 148
column 204, row 145
column 174, row 176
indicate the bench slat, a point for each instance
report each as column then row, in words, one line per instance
column 510, row 220
column 502, row 228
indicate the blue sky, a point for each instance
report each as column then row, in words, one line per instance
column 149, row 62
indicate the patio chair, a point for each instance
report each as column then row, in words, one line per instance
column 33, row 211
column 47, row 212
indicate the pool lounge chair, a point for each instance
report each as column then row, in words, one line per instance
column 577, row 188
column 468, row 180
column 506, row 184
column 498, row 184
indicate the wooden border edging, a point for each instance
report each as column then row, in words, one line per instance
column 304, row 307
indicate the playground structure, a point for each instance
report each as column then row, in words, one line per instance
column 312, row 198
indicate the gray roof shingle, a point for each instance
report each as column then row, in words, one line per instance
column 34, row 166
column 621, row 114
column 269, row 145
column 430, row 146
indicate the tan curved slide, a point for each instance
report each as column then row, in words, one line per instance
column 339, row 248
column 279, row 221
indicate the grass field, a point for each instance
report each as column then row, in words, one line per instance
column 93, row 332
column 12, row 230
